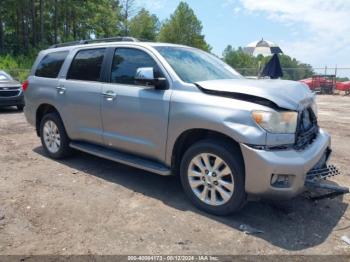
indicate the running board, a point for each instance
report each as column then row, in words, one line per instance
column 123, row 158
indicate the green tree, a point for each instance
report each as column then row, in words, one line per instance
column 249, row 65
column 128, row 9
column 106, row 19
column 245, row 64
column 183, row 27
column 144, row 25
column 35, row 24
column 293, row 69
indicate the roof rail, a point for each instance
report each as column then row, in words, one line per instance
column 100, row 40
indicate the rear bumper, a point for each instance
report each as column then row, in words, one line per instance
column 261, row 165
column 29, row 113
column 12, row 101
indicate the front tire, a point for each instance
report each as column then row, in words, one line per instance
column 53, row 136
column 212, row 175
column 20, row 107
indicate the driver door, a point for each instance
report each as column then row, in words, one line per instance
column 134, row 116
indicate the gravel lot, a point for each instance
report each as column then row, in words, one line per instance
column 87, row 205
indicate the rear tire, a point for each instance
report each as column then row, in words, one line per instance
column 215, row 185
column 53, row 136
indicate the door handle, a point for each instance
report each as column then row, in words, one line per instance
column 110, row 95
column 61, row 89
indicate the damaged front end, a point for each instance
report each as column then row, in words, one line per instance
column 293, row 157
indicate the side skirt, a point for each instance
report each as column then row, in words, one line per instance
column 123, row 158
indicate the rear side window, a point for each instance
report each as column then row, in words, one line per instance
column 51, row 64
column 87, row 65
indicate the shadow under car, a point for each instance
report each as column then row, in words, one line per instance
column 293, row 225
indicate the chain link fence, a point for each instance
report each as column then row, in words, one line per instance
column 296, row 74
column 324, row 80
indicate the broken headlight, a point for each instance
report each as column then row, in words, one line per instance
column 276, row 122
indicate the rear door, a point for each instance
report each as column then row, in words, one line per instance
column 45, row 80
column 135, row 117
column 81, row 95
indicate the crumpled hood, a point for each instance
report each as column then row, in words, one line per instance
column 286, row 94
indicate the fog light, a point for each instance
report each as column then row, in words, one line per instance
column 281, row 181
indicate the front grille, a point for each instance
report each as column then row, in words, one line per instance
column 307, row 129
column 9, row 88
column 9, row 93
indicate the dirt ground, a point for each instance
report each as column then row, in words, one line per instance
column 87, row 205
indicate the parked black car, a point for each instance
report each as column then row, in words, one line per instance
column 10, row 92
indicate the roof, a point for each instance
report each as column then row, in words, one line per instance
column 110, row 44
column 262, row 47
column 261, row 43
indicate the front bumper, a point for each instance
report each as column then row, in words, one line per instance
column 12, row 101
column 261, row 165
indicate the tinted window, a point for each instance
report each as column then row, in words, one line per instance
column 87, row 65
column 125, row 63
column 51, row 65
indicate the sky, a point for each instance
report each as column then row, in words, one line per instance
column 316, row 32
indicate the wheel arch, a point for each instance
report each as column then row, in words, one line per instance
column 192, row 136
column 42, row 110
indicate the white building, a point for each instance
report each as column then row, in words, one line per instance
column 262, row 47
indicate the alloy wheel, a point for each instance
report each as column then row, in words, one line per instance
column 52, row 137
column 211, row 179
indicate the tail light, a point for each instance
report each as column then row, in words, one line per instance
column 25, row 85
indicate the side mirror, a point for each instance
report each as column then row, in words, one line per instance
column 145, row 76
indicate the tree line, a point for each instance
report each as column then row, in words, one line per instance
column 249, row 65
column 33, row 24
column 27, row 26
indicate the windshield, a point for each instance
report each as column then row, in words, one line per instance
column 193, row 65
column 4, row 76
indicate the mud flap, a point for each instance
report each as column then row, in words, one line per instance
column 315, row 179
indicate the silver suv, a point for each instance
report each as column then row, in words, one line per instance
column 173, row 109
